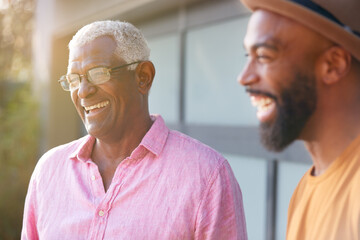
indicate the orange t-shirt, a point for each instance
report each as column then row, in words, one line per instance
column 327, row 207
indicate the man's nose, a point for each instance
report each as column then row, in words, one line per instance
column 86, row 88
column 248, row 76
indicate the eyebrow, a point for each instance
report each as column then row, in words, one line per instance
column 265, row 45
column 273, row 45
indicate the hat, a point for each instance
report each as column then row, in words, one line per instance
column 336, row 20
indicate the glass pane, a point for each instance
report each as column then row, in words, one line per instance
column 214, row 58
column 289, row 174
column 164, row 93
column 251, row 175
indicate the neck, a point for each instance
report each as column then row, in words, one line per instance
column 117, row 149
column 327, row 147
column 331, row 130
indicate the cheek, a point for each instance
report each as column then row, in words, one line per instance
column 279, row 78
column 273, row 79
column 73, row 96
column 76, row 102
column 119, row 93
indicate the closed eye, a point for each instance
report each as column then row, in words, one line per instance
column 263, row 57
column 258, row 57
column 264, row 54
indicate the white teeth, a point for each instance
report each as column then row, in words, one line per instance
column 99, row 105
column 262, row 104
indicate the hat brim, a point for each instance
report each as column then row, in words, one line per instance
column 310, row 19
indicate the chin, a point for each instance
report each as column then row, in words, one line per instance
column 93, row 131
column 275, row 142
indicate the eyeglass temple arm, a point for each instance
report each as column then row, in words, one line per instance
column 122, row 66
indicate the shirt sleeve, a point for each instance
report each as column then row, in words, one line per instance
column 221, row 213
column 29, row 229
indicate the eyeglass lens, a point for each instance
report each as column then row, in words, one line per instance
column 96, row 76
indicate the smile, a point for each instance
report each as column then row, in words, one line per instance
column 261, row 103
column 95, row 106
column 265, row 107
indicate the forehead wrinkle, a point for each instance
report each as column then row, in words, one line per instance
column 92, row 54
column 82, row 67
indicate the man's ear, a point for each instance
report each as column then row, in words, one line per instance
column 334, row 63
column 145, row 73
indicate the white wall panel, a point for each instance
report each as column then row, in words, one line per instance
column 164, row 93
column 251, row 175
column 214, row 58
column 289, row 174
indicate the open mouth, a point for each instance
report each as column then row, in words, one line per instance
column 262, row 103
column 88, row 109
column 265, row 106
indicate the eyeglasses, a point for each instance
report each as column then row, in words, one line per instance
column 96, row 75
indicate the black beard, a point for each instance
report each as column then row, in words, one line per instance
column 298, row 104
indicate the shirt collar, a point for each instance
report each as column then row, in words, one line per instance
column 83, row 151
column 154, row 141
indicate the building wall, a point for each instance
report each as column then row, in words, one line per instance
column 196, row 47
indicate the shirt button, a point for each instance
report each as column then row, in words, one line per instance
column 101, row 213
column 93, row 178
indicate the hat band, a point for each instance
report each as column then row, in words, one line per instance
column 323, row 12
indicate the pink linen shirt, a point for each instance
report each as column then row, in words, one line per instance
column 170, row 187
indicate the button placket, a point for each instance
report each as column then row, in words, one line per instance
column 95, row 182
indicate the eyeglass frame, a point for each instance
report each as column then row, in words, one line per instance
column 64, row 77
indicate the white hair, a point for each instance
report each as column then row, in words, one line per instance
column 131, row 45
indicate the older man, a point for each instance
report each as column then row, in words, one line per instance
column 131, row 177
column 303, row 75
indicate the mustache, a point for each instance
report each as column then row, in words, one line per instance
column 259, row 92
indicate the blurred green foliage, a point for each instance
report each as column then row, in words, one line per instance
column 18, row 150
column 19, row 125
